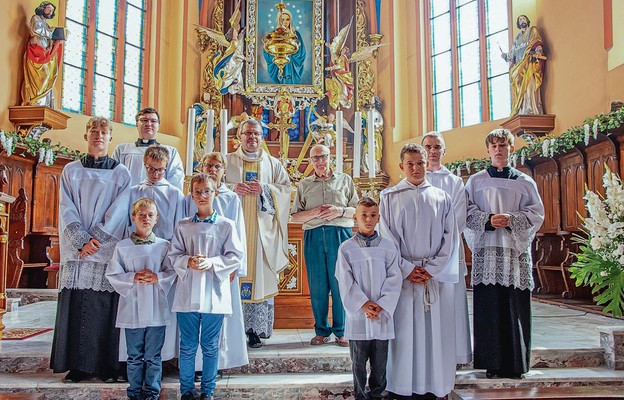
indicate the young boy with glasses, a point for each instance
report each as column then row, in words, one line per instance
column 205, row 250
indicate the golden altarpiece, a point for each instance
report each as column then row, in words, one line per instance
column 290, row 66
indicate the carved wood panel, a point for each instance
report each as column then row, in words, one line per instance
column 46, row 194
column 547, row 180
column 597, row 156
column 573, row 180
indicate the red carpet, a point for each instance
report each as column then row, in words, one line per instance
column 22, row 333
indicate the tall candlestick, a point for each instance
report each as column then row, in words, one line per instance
column 357, row 144
column 370, row 125
column 190, row 141
column 224, row 138
column 339, row 142
column 209, row 132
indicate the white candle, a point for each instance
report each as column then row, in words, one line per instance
column 209, row 131
column 357, row 144
column 371, row 144
column 190, row 141
column 224, row 138
column 339, row 158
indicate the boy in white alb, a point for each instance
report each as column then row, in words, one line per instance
column 205, row 250
column 369, row 278
column 141, row 273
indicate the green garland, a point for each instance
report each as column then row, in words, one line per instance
column 555, row 145
column 45, row 151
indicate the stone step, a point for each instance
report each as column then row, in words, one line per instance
column 308, row 359
column 550, row 393
column 317, row 386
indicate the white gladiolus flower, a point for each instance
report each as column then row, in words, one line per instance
column 595, row 243
column 545, row 145
column 586, row 131
column 42, row 154
column 595, row 128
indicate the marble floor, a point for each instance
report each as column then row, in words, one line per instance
column 554, row 327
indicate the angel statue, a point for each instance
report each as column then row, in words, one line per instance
column 228, row 63
column 339, row 83
column 323, row 128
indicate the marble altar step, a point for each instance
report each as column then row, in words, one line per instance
column 317, row 386
column 549, row 393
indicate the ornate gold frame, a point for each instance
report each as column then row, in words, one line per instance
column 262, row 91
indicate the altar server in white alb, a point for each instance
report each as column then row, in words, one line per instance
column 232, row 346
column 263, row 185
column 93, row 216
column 369, row 278
column 439, row 176
column 419, row 218
column 141, row 273
column 205, row 250
column 131, row 154
column 170, row 202
column 504, row 213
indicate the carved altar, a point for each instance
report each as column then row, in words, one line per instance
column 281, row 63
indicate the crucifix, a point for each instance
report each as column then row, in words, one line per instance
column 283, row 124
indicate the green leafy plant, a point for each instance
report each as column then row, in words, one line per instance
column 45, row 151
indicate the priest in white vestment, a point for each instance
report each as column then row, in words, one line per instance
column 131, row 154
column 419, row 218
column 504, row 213
column 439, row 176
column 263, row 185
column 93, row 216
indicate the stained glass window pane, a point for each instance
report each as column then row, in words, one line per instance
column 439, row 7
column 103, row 98
column 134, row 26
column 470, row 104
column 75, row 45
column 131, row 104
column 443, row 111
column 105, row 55
column 442, row 73
column 467, row 23
column 136, row 3
column 500, row 97
column 497, row 16
column 441, row 33
column 73, row 79
column 76, row 10
column 496, row 64
column 469, row 63
column 132, row 66
column 462, row 2
column 107, row 17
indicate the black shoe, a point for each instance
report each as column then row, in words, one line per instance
column 150, row 398
column 219, row 375
column 493, row 374
column 135, row 397
column 253, row 340
column 264, row 336
column 198, row 375
column 394, row 396
column 74, row 376
column 188, row 396
column 205, row 396
column 108, row 379
column 122, row 378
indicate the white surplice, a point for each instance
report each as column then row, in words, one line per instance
column 503, row 256
column 169, row 201
column 369, row 273
column 268, row 233
column 141, row 305
column 233, row 343
column 205, row 291
column 420, row 219
column 454, row 186
column 131, row 155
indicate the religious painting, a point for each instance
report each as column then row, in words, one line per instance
column 285, row 47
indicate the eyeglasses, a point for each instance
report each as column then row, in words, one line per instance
column 252, row 133
column 205, row 192
column 321, row 157
column 217, row 167
column 429, row 147
column 153, row 170
column 146, row 120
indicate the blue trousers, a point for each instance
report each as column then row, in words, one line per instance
column 144, row 362
column 190, row 324
column 320, row 249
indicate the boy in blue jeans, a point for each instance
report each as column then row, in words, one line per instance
column 205, row 250
column 142, row 275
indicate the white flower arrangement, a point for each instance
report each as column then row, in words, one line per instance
column 600, row 261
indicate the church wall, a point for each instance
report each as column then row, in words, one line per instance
column 173, row 82
column 578, row 82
